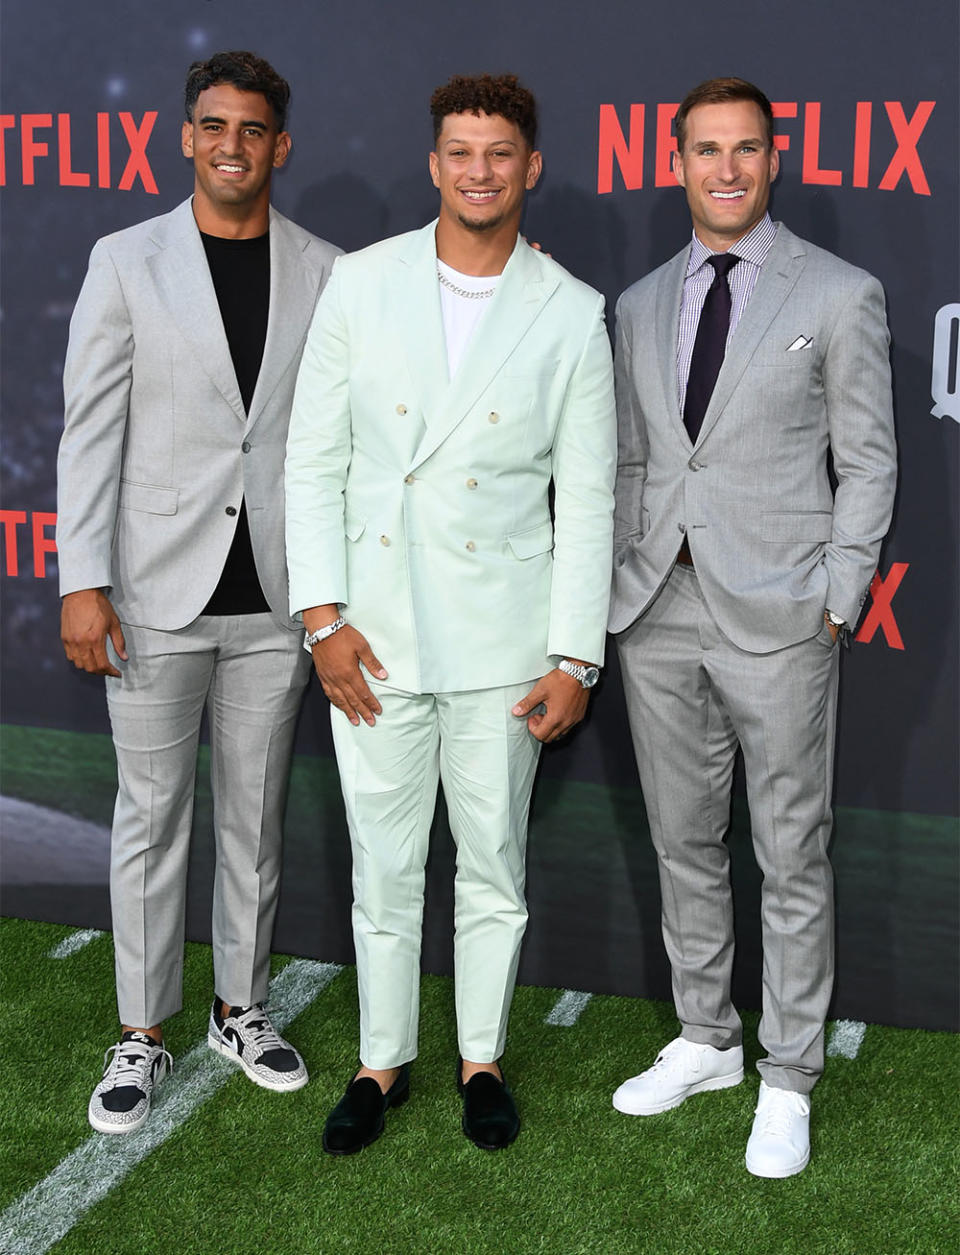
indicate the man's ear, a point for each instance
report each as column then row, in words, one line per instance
column 281, row 149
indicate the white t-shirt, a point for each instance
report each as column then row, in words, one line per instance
column 462, row 313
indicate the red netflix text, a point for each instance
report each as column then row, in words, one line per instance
column 880, row 147
column 36, row 535
column 880, row 614
column 40, row 137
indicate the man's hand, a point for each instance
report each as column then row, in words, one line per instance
column 337, row 660
column 86, row 620
column 565, row 700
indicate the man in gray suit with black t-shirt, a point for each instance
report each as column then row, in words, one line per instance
column 745, row 367
column 183, row 355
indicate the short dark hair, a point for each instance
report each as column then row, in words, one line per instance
column 718, row 91
column 502, row 95
column 247, row 73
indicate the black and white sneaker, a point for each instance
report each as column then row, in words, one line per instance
column 121, row 1102
column 247, row 1037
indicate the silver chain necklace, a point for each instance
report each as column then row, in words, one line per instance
column 482, row 295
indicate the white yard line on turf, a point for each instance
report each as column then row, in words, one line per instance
column 76, row 941
column 568, row 1008
column 48, row 1211
column 846, row 1038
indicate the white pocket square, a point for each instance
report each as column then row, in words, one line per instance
column 801, row 342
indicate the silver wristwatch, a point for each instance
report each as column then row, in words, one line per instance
column 321, row 634
column 585, row 676
column 834, row 619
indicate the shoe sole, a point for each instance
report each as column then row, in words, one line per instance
column 354, row 1150
column 488, row 1145
column 278, row 1087
column 701, row 1087
column 782, row 1173
column 114, row 1129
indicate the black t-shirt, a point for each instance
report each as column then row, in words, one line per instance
column 240, row 270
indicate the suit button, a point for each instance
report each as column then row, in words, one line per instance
column 401, row 409
column 493, row 417
column 695, row 465
column 682, row 527
column 471, row 483
column 245, row 446
column 408, row 479
column 231, row 510
column 470, row 546
column 384, row 540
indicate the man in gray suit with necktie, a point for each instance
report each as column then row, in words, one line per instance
column 747, row 366
column 183, row 355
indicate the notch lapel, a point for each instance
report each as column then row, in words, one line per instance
column 669, row 297
column 521, row 295
column 294, row 287
column 777, row 278
column 182, row 277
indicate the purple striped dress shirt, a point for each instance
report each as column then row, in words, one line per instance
column 752, row 251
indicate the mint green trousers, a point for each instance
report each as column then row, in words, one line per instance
column 486, row 760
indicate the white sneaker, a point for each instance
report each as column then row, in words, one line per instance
column 682, row 1068
column 779, row 1144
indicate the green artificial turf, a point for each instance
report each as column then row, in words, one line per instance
column 246, row 1173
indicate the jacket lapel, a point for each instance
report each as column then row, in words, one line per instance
column 294, row 286
column 521, row 294
column 182, row 277
column 669, row 296
column 415, row 301
column 778, row 275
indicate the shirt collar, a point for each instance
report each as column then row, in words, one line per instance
column 754, row 246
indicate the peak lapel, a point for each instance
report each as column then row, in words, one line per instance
column 521, row 294
column 182, row 277
column 294, row 287
column 415, row 302
column 778, row 275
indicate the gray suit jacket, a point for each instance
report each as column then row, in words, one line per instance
column 773, row 542
column 157, row 450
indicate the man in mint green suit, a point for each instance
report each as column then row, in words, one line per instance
column 451, row 376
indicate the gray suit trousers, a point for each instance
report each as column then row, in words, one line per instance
column 249, row 674
column 692, row 698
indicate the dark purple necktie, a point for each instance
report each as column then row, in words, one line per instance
column 710, row 344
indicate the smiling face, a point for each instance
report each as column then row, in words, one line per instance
column 235, row 146
column 726, row 168
column 482, row 167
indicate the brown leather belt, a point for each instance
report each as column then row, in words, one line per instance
column 684, row 557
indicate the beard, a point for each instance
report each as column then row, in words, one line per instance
column 479, row 225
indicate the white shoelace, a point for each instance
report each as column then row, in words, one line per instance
column 257, row 1028
column 131, row 1063
column 676, row 1054
column 778, row 1111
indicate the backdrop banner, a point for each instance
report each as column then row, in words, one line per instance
column 866, row 107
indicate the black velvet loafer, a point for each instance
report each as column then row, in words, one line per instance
column 490, row 1117
column 357, row 1119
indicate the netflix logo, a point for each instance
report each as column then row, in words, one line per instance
column 880, row 146
column 120, row 148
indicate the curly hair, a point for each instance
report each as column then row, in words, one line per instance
column 502, row 95
column 247, row 73
column 719, row 91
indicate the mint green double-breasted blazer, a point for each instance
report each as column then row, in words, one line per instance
column 465, row 524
